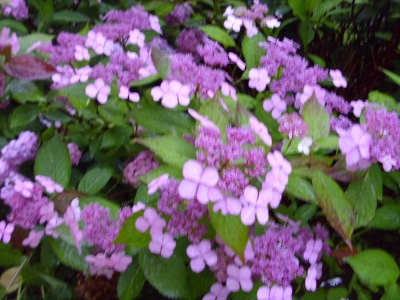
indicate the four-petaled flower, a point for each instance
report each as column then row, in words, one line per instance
column 157, row 183
column 171, row 93
column 234, row 58
column 152, row 220
column 200, row 255
column 197, row 181
column 258, row 79
column 261, row 130
column 136, row 38
column 239, row 277
column 337, row 78
column 99, row 89
column 81, row 53
column 304, row 145
column 313, row 249
column 163, row 244
column 314, row 272
column 224, row 203
column 233, row 23
column 33, row 239
column 124, row 93
column 5, row 231
column 274, row 293
column 276, row 104
column 217, row 292
column 254, row 204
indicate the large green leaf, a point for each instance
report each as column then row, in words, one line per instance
column 335, row 205
column 231, row 230
column 53, row 160
column 116, row 136
column 9, row 256
column 300, row 188
column 386, row 218
column 317, row 119
column 131, row 282
column 374, row 267
column 94, row 180
column 252, row 51
column 215, row 113
column 28, row 40
column 168, row 276
column 24, row 91
column 69, row 16
column 130, row 236
column 69, row 255
column 200, row 283
column 385, row 100
column 172, row 149
column 24, row 114
column 163, row 120
column 362, row 196
column 219, row 35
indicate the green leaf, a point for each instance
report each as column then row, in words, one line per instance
column 324, row 7
column 215, row 113
column 385, row 100
column 168, row 276
column 362, row 196
column 317, row 60
column 161, row 62
column 374, row 267
column 130, row 236
column 145, row 81
column 386, row 218
column 76, row 95
column 94, row 180
column 172, row 149
column 200, row 283
column 116, row 137
column 305, row 212
column 69, row 255
column 392, row 292
column 23, row 115
column 27, row 41
column 335, row 205
column 317, row 119
column 163, row 120
column 252, row 51
column 337, row 293
column 393, row 76
column 9, row 256
column 84, row 201
column 131, row 282
column 246, row 100
column 330, row 142
column 24, row 91
column 231, row 230
column 69, row 16
column 143, row 196
column 303, row 8
column 53, row 160
column 300, row 188
column 113, row 111
column 14, row 25
column 219, row 35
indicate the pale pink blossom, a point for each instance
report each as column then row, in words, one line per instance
column 217, row 292
column 25, row 187
column 314, row 272
column 233, row 23
column 308, row 91
column 163, row 244
column 124, row 93
column 276, row 105
column 99, row 265
column 49, row 185
column 98, row 42
column 99, row 89
column 304, row 145
column 200, row 255
column 47, row 212
column 228, row 90
column 204, row 121
column 81, row 75
column 138, row 207
column 157, row 183
column 337, row 78
column 272, row 22
column 33, row 239
column 224, row 203
column 171, row 93
column 6, row 231
column 239, row 277
column 254, row 205
column 251, row 28
column 258, row 79
column 197, row 181
column 155, row 24
column 313, row 250
column 358, row 107
column 136, row 37
column 274, row 293
column 152, row 220
column 81, row 53
column 119, row 261
column 236, row 59
column 261, row 130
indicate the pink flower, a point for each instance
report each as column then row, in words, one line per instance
column 228, row 90
column 233, row 23
column 217, row 292
column 358, row 107
column 124, row 93
column 74, row 153
column 239, row 277
column 258, row 79
column 49, row 185
column 136, row 38
column 81, row 53
column 99, row 265
column 261, row 130
column 224, row 203
column 338, row 79
column 99, row 89
column 254, row 205
column 204, row 121
column 314, row 272
column 234, row 58
column 155, row 24
column 81, row 75
column 171, row 93
column 276, row 104
column 47, row 212
column 308, row 91
column 275, row 293
column 355, row 144
column 197, row 181
column 138, row 207
column 155, row 184
column 151, row 220
column 251, row 29
column 98, row 42
column 33, row 239
column 278, row 162
column 119, row 261
column 313, row 249
column 272, row 22
column 200, row 255
column 6, row 231
column 52, row 224
column 162, row 244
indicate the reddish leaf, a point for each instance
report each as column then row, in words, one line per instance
column 28, row 68
column 340, row 173
column 343, row 252
column 18, row 235
column 6, row 51
column 335, row 205
column 64, row 199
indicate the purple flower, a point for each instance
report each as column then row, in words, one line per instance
column 275, row 293
column 261, row 130
column 163, row 244
column 50, row 185
column 157, row 183
column 254, row 205
column 136, row 38
column 224, row 203
column 25, row 188
column 74, row 153
column 313, row 250
column 239, row 277
column 33, row 239
column 204, row 121
column 124, row 93
column 151, row 220
column 197, row 181
column 217, row 292
column 314, row 272
column 81, row 53
column 5, row 231
column 233, row 23
column 119, row 261
column 234, row 58
column 358, row 107
column 337, row 78
column 200, row 255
